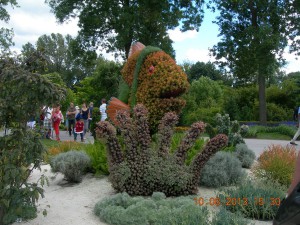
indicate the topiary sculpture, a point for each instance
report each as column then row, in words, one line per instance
column 152, row 78
column 140, row 170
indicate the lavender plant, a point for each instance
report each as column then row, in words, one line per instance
column 140, row 170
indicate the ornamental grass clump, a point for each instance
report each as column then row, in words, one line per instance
column 277, row 163
column 140, row 170
column 224, row 217
column 254, row 199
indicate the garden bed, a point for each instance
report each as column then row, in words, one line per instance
column 74, row 203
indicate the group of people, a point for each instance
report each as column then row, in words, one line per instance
column 78, row 121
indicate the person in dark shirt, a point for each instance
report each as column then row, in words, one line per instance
column 85, row 116
column 90, row 116
column 71, row 118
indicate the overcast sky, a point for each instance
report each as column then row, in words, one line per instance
column 33, row 19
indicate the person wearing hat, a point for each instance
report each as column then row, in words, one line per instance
column 71, row 113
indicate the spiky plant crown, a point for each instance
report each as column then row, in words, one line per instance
column 140, row 170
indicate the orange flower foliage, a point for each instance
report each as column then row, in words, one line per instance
column 277, row 163
column 64, row 146
column 128, row 69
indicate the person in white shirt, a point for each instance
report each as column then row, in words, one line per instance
column 102, row 109
column 48, row 122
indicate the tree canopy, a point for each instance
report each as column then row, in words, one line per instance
column 254, row 34
column 114, row 25
column 6, row 35
column 61, row 54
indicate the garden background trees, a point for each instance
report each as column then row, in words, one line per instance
column 254, row 35
column 114, row 25
column 6, row 35
column 60, row 54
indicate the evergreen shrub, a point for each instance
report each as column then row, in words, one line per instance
column 222, row 169
column 254, row 199
column 277, row 163
column 121, row 209
column 72, row 164
column 245, row 155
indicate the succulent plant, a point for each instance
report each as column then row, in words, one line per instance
column 140, row 170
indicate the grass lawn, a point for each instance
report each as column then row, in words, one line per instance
column 273, row 136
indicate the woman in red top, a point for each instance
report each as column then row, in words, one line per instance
column 56, row 119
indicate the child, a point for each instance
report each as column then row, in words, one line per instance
column 79, row 125
column 56, row 119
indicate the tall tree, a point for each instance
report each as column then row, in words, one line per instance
column 6, row 35
column 113, row 24
column 254, row 34
column 205, row 69
column 104, row 82
column 60, row 54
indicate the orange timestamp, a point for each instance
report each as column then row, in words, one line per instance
column 232, row 201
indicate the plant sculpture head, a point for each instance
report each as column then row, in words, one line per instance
column 140, row 170
column 156, row 82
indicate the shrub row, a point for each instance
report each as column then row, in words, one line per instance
column 282, row 129
column 121, row 209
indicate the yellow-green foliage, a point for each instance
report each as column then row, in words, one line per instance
column 159, row 90
column 63, row 146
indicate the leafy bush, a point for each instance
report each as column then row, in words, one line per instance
column 17, row 152
column 277, row 113
column 255, row 200
column 22, row 94
column 245, row 155
column 277, row 163
column 230, row 128
column 72, row 164
column 199, row 114
column 222, row 169
column 97, row 154
column 203, row 101
column 121, row 209
column 223, row 217
column 140, row 170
